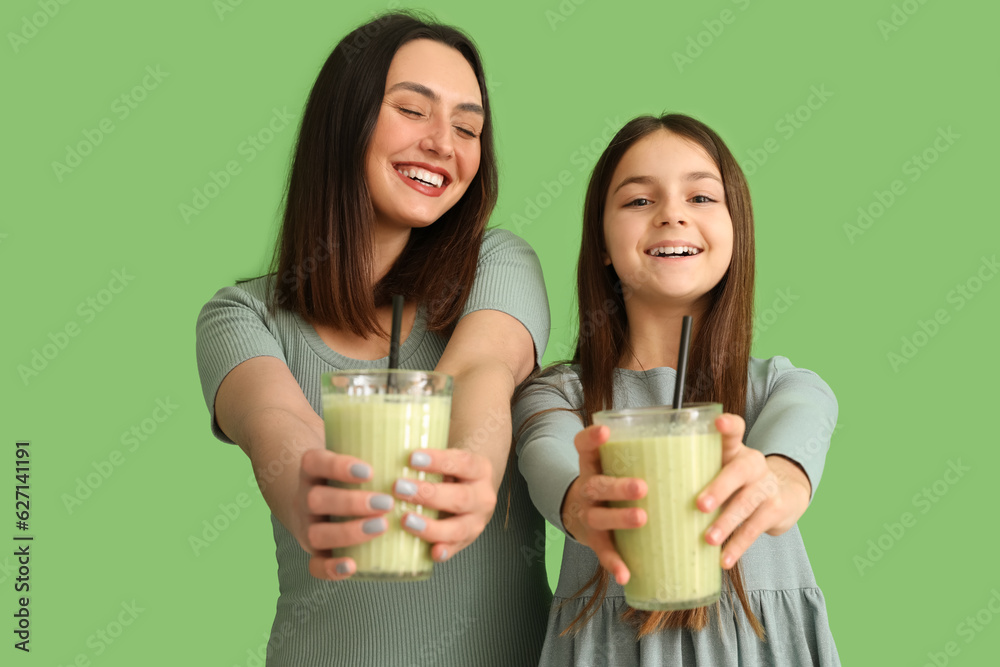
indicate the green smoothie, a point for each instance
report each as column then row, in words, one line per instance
column 671, row 564
column 382, row 430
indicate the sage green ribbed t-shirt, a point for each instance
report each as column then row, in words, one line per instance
column 488, row 605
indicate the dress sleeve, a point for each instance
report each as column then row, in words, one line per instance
column 232, row 327
column 797, row 419
column 509, row 279
column 546, row 455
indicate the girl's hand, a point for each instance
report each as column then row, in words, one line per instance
column 585, row 513
column 315, row 501
column 466, row 494
column 757, row 495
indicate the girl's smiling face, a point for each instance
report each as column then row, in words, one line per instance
column 667, row 229
column 425, row 150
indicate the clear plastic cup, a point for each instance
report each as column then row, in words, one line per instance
column 381, row 416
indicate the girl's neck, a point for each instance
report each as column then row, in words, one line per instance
column 654, row 333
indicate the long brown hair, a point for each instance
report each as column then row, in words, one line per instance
column 720, row 351
column 324, row 255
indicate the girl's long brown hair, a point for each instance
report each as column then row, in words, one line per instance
column 720, row 351
column 325, row 252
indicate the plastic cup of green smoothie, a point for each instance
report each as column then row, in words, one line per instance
column 677, row 453
column 380, row 417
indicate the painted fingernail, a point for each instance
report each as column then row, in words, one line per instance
column 361, row 471
column 373, row 526
column 405, row 487
column 708, row 502
column 414, row 522
column 420, row 460
column 714, row 535
column 444, row 555
column 343, row 567
column 380, row 501
column 727, row 562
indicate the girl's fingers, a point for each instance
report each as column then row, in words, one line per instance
column 740, row 508
column 325, row 500
column 458, row 463
column 329, row 465
column 608, row 556
column 333, row 569
column 610, row 518
column 748, row 466
column 744, row 536
column 324, row 535
column 731, row 427
column 587, row 442
column 603, row 488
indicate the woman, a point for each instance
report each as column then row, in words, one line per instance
column 392, row 184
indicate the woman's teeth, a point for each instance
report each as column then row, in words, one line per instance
column 665, row 251
column 424, row 176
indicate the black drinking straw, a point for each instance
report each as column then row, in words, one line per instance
column 682, row 361
column 397, row 323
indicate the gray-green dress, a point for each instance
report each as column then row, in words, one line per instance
column 488, row 604
column 790, row 411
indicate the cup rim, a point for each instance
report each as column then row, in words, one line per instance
column 657, row 410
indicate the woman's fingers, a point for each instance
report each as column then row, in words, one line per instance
column 339, row 467
column 454, row 498
column 458, row 463
column 325, row 500
column 334, row 569
column 324, row 535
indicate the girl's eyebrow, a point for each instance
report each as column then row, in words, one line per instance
column 421, row 89
column 698, row 175
column 650, row 180
column 641, row 180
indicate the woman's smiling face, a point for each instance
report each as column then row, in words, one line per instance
column 425, row 149
column 667, row 229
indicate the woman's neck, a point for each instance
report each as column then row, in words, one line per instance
column 389, row 245
column 654, row 333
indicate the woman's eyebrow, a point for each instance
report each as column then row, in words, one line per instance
column 421, row 89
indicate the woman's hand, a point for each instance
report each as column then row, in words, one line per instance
column 466, row 494
column 315, row 501
column 585, row 513
column 757, row 494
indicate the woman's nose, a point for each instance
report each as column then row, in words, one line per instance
column 439, row 138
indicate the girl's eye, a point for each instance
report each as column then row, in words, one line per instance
column 702, row 199
column 638, row 202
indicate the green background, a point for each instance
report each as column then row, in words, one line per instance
column 562, row 77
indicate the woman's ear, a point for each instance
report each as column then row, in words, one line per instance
column 606, row 257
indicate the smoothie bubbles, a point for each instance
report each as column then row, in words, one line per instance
column 380, row 416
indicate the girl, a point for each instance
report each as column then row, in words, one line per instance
column 392, row 184
column 668, row 232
